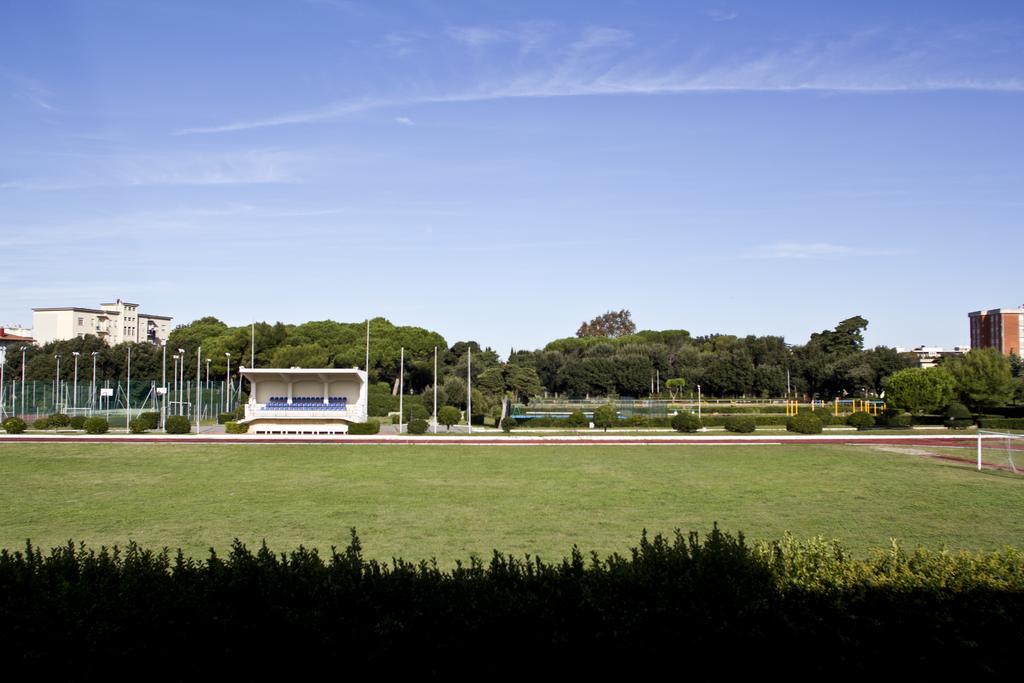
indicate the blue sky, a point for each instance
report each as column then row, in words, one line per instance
column 505, row 170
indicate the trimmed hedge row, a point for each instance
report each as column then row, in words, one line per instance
column 364, row 428
column 720, row 605
column 1001, row 423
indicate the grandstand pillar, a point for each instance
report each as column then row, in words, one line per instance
column 327, row 391
column 289, row 392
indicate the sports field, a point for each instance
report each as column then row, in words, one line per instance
column 450, row 502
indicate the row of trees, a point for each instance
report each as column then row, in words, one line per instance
column 982, row 380
column 608, row 357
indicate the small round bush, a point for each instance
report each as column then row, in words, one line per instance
column 958, row 416
column 364, row 428
column 861, row 419
column 178, row 424
column 686, row 422
column 41, row 423
column 507, row 424
column 804, row 423
column 96, row 425
column 224, row 418
column 15, row 425
column 448, row 416
column 151, row 420
column 899, row 421
column 741, row 424
column 232, row 427
column 418, row 425
column 413, row 411
column 576, row 419
column 825, row 415
column 77, row 422
column 138, row 426
column 58, row 420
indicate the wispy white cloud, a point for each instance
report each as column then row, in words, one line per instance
column 404, row 120
column 242, row 168
column 28, row 89
column 814, row 250
column 719, row 14
column 528, row 36
column 591, row 66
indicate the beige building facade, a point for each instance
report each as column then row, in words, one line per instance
column 115, row 323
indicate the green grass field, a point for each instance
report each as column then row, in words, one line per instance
column 451, row 502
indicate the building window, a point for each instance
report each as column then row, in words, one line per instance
column 81, row 322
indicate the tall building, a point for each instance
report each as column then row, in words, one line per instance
column 998, row 328
column 115, row 323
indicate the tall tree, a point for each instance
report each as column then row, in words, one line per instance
column 983, row 378
column 610, row 324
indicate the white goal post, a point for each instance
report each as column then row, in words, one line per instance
column 1005, row 442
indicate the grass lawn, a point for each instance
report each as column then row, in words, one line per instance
column 451, row 502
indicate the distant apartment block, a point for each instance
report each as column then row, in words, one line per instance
column 999, row 328
column 931, row 356
column 8, row 340
column 115, row 323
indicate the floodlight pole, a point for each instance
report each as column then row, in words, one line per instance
column 56, row 396
column 181, row 384
column 163, row 383
column 199, row 386
column 401, row 390
column 174, row 378
column 227, row 383
column 367, row 349
column 469, row 390
column 128, row 393
column 75, row 397
column 23, row 380
column 698, row 401
column 92, row 389
column 435, row 390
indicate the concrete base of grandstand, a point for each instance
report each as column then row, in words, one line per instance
column 298, row 427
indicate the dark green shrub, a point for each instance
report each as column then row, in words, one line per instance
column 1002, row 423
column 958, row 416
column 138, row 426
column 232, row 427
column 396, row 419
column 825, row 415
column 58, row 420
column 860, row 419
column 178, row 424
column 804, row 423
column 448, row 416
column 41, row 423
column 507, row 423
column 364, row 428
column 77, row 422
column 418, row 425
column 634, row 421
column 14, row 425
column 415, row 411
column 899, row 421
column 239, row 412
column 606, row 416
column 577, row 419
column 759, row 420
column 686, row 422
column 224, row 418
column 150, row 419
column 96, row 425
column 742, row 424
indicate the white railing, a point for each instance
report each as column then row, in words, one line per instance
column 350, row 413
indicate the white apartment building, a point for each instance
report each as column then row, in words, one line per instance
column 115, row 323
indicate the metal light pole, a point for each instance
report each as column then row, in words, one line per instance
column 75, row 398
column 163, row 385
column 92, row 390
column 227, row 385
column 181, row 384
column 435, row 390
column 174, row 377
column 208, row 373
column 128, row 392
column 23, row 380
column 401, row 390
column 698, row 401
column 199, row 386
column 56, row 396
column 469, row 390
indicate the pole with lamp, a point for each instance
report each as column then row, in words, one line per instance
column 56, row 384
column 227, row 385
column 199, row 386
column 163, row 387
column 92, row 387
column 174, row 386
column 401, row 390
column 23, row 349
column 181, row 384
column 74, row 399
column 698, row 401
column 469, row 391
column 128, row 392
column 435, row 390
